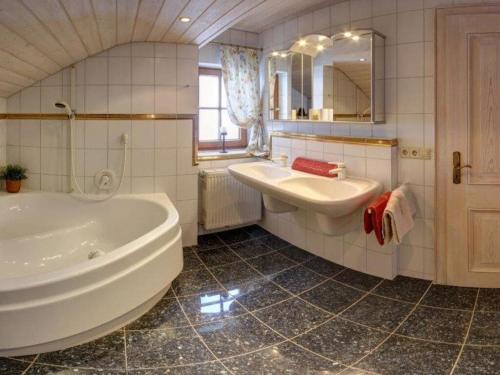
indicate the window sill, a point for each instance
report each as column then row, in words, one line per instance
column 217, row 155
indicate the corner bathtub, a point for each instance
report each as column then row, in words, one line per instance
column 72, row 271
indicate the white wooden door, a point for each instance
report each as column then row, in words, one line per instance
column 468, row 123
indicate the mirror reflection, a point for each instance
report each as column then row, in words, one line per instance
column 329, row 79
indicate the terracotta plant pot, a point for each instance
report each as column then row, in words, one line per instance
column 13, row 186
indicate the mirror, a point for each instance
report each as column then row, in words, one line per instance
column 337, row 79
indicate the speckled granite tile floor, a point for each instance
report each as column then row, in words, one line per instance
column 249, row 303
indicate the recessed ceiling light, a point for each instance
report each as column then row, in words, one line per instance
column 347, row 34
column 320, row 48
column 185, row 19
column 362, row 59
column 355, row 37
column 283, row 55
column 302, row 43
column 275, row 53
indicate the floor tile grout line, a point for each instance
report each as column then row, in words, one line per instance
column 286, row 339
column 303, row 264
column 395, row 329
column 455, row 364
column 30, row 365
column 331, row 278
column 252, row 315
column 293, row 294
column 333, row 317
column 197, row 334
column 336, row 316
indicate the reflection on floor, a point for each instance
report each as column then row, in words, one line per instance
column 250, row 303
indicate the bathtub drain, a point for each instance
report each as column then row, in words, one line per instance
column 95, row 253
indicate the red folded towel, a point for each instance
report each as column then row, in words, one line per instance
column 317, row 167
column 374, row 215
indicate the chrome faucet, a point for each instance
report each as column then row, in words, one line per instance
column 340, row 171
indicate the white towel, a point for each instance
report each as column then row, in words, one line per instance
column 398, row 214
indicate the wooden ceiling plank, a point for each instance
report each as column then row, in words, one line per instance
column 273, row 11
column 55, row 18
column 9, row 87
column 219, row 9
column 15, row 78
column 16, row 17
column 106, row 13
column 194, row 9
column 148, row 11
column 10, row 62
column 82, row 17
column 228, row 20
column 126, row 13
column 14, row 44
column 169, row 13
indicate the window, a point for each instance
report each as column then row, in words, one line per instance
column 213, row 114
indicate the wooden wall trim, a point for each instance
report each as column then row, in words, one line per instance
column 96, row 116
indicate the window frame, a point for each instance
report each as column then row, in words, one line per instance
column 215, row 145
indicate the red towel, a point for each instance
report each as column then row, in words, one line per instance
column 317, row 167
column 374, row 214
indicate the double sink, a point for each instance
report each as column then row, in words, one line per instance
column 337, row 204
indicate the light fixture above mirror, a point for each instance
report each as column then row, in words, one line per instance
column 331, row 79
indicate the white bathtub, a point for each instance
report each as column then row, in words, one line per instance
column 52, row 296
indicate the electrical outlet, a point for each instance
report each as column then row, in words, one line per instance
column 408, row 152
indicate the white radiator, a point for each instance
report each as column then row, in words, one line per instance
column 225, row 201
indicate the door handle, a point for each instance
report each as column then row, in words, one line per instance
column 457, row 168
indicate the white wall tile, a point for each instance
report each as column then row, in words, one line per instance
column 165, row 71
column 411, row 27
column 96, row 99
column 340, row 13
column 120, row 71
column 165, row 162
column 143, row 49
column 360, row 9
column 96, row 134
column 411, row 60
column 143, row 99
column 31, row 100
column 187, row 51
column 143, row 134
column 96, row 71
column 30, row 133
column 143, row 71
column 187, row 73
column 165, row 134
column 143, row 163
column 119, row 98
column 381, row 7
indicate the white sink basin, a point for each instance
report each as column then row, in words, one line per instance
column 334, row 201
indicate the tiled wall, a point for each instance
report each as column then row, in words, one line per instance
column 409, row 28
column 355, row 249
column 131, row 78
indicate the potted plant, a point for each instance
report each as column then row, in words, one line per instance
column 13, row 175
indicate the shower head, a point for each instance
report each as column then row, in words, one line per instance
column 66, row 107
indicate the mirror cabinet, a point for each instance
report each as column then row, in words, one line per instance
column 332, row 79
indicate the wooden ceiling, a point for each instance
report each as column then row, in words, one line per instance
column 270, row 12
column 40, row 37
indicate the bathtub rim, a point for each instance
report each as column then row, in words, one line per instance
column 12, row 284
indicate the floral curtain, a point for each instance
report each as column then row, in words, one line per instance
column 240, row 72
